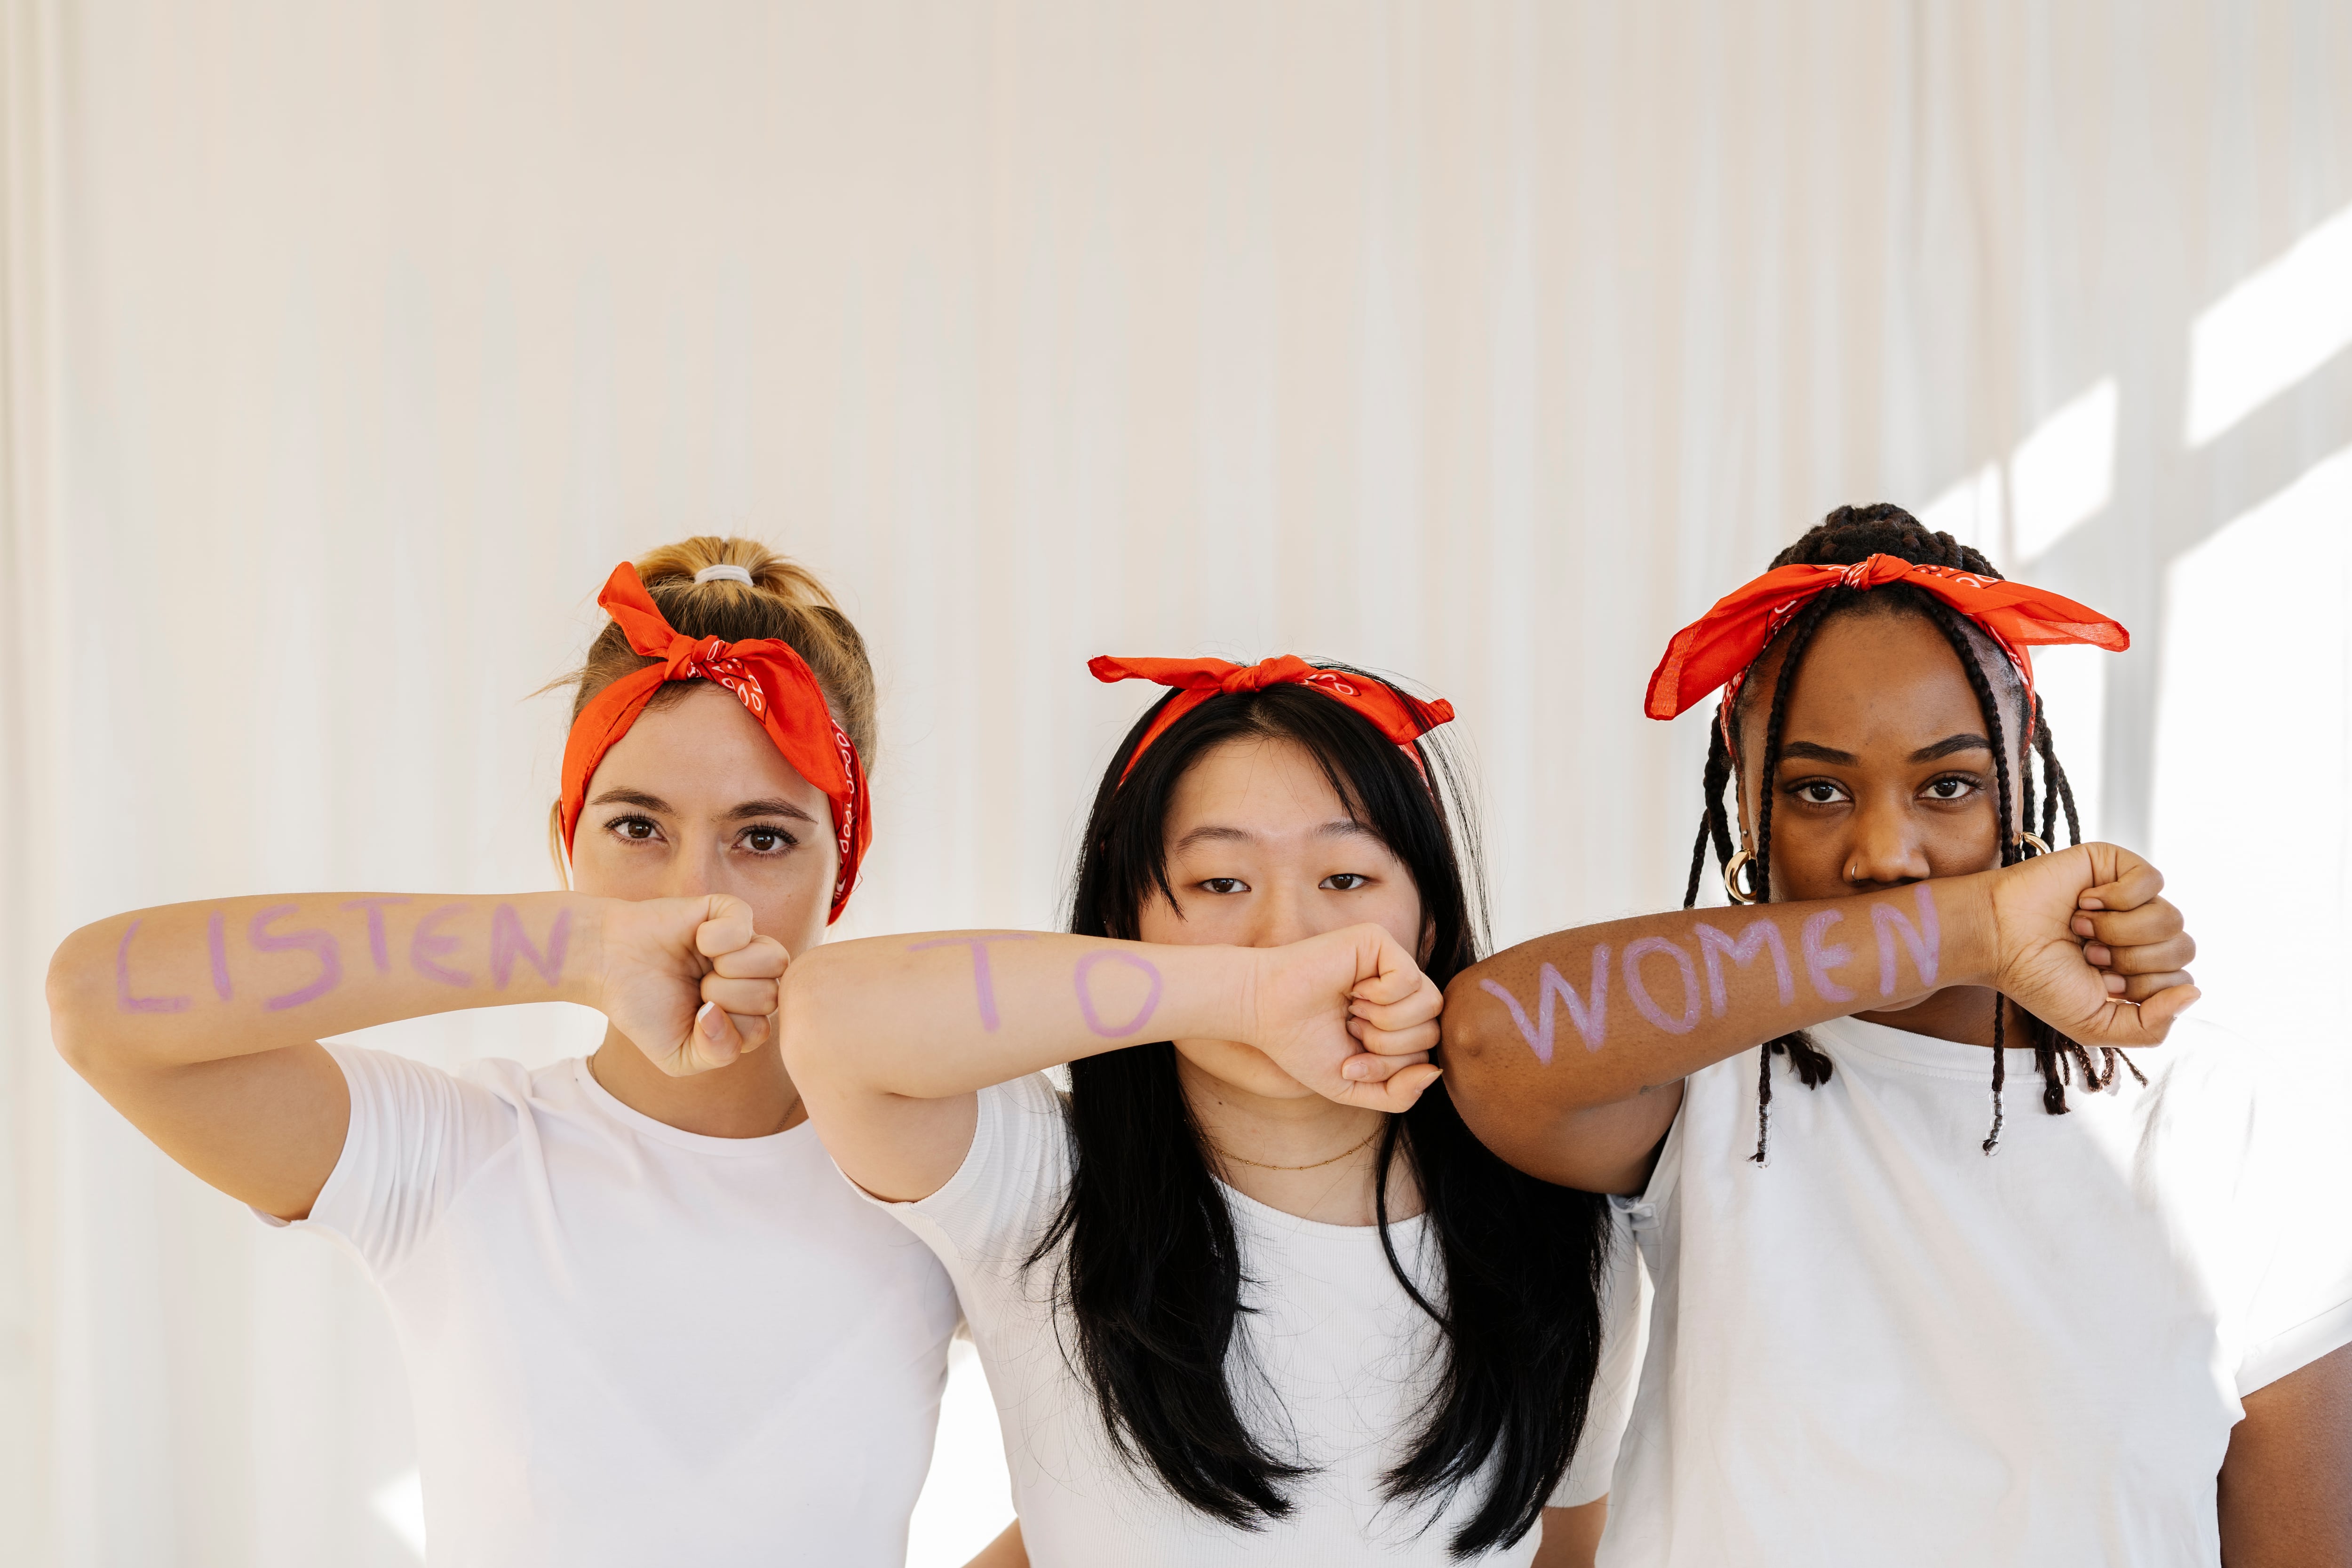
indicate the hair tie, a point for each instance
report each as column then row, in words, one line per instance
column 773, row 683
column 1402, row 718
column 723, row 574
column 1716, row 651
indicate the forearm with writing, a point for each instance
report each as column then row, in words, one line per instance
column 200, row 981
column 947, row 1013
column 1590, row 1016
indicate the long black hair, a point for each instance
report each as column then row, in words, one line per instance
column 1152, row 1280
column 1849, row 535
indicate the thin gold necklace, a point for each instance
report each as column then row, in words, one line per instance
column 1225, row 1153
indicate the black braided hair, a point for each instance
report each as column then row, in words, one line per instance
column 1845, row 537
column 1813, row 1068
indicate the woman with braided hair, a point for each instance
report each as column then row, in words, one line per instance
column 1922, row 1330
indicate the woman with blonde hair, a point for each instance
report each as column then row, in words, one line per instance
column 644, row 1319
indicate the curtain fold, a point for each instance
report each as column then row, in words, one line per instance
column 31, row 750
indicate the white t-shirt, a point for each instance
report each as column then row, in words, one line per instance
column 629, row 1344
column 1343, row 1353
column 1885, row 1346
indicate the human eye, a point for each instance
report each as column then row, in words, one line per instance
column 1818, row 792
column 1344, row 881
column 634, row 829
column 1952, row 787
column 1223, row 885
column 763, row 839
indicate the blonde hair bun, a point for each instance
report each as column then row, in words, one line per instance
column 676, row 564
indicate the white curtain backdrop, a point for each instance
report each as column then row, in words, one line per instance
column 344, row 349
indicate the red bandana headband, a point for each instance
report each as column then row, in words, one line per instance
column 1715, row 651
column 1402, row 719
column 776, row 688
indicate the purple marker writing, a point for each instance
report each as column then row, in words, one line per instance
column 984, row 979
column 321, row 944
column 1086, row 1001
column 507, row 944
column 426, row 942
column 123, row 999
column 1693, row 999
column 1821, row 958
column 1591, row 1017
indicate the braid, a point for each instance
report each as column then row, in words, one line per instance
column 1813, row 1068
column 1712, row 822
column 2060, row 790
column 1846, row 536
column 1949, row 623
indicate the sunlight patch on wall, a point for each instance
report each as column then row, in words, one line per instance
column 1970, row 511
column 2276, row 327
column 2072, row 682
column 2062, row 475
column 2252, row 754
column 400, row 1504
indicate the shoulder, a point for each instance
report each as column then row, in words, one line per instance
column 2213, row 1092
column 1034, row 1100
column 1012, row 1182
column 401, row 1086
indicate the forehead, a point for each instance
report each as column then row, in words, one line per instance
column 701, row 749
column 1870, row 678
column 1266, row 785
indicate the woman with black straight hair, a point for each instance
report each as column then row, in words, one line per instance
column 1250, row 1290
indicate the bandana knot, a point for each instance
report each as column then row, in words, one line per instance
column 1715, row 652
column 1402, row 719
column 716, row 661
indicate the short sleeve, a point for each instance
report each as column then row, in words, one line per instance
column 1624, row 1332
column 416, row 1135
column 991, row 1213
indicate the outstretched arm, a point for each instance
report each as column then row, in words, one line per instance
column 891, row 1038
column 1566, row 1054
column 200, row 1021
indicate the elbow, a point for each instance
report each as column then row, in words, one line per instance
column 803, row 1015
column 1500, row 1078
column 76, row 995
column 1468, row 1046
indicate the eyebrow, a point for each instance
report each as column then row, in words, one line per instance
column 1950, row 744
column 1218, row 833
column 635, row 797
column 1807, row 751
column 773, row 806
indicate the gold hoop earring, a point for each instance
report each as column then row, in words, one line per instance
column 2032, row 840
column 1731, row 870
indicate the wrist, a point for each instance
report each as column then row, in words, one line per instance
column 1975, row 924
column 1243, row 984
column 583, row 982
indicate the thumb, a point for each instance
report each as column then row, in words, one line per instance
column 2127, row 881
column 2161, row 1011
column 726, row 925
column 1397, row 1093
column 713, row 1040
column 1385, row 973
